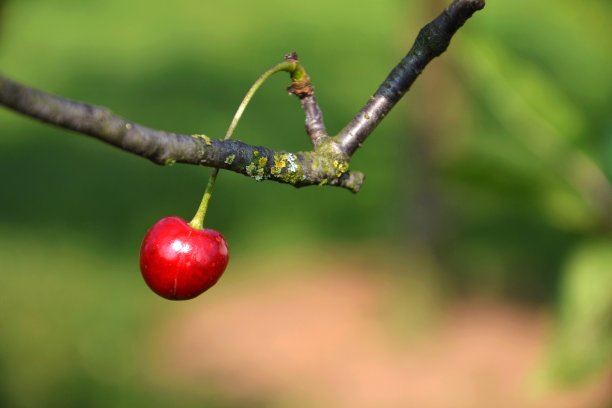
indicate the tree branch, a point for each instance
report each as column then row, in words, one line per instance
column 327, row 163
column 261, row 163
column 433, row 39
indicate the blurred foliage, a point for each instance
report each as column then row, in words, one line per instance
column 584, row 334
column 522, row 169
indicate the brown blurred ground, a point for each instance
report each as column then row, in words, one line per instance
column 325, row 339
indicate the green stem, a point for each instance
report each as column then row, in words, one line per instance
column 297, row 73
column 290, row 66
column 198, row 219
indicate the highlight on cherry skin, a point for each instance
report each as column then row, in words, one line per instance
column 178, row 261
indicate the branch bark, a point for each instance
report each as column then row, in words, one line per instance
column 326, row 164
column 433, row 39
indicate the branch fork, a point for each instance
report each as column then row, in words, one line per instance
column 326, row 164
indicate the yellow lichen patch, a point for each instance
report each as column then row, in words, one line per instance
column 257, row 167
column 206, row 139
column 340, row 167
column 251, row 169
column 230, row 159
column 285, row 167
column 280, row 162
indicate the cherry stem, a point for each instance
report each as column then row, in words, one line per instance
column 198, row 219
column 291, row 65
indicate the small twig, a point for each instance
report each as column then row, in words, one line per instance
column 303, row 89
column 314, row 124
column 433, row 39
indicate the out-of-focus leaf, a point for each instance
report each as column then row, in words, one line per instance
column 606, row 151
column 571, row 44
column 527, row 93
column 531, row 109
column 583, row 341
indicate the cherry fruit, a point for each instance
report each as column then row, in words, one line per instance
column 178, row 261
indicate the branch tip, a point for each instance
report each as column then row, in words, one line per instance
column 432, row 40
column 292, row 56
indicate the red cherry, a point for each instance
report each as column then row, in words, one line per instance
column 179, row 262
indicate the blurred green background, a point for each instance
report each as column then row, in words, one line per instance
column 496, row 166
